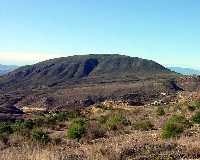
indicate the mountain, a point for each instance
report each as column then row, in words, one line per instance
column 82, row 80
column 7, row 68
column 185, row 71
column 85, row 68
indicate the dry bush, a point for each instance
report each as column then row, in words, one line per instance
column 144, row 125
column 94, row 130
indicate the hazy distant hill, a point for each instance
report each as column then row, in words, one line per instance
column 7, row 68
column 185, row 71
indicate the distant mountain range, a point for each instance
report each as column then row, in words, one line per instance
column 185, row 71
column 7, row 68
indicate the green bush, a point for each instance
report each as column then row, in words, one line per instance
column 39, row 135
column 174, row 126
column 115, row 120
column 5, row 131
column 160, row 111
column 44, row 120
column 5, row 128
column 21, row 124
column 61, row 116
column 196, row 118
column 77, row 129
column 28, row 124
column 22, row 127
column 144, row 125
column 40, row 120
column 194, row 105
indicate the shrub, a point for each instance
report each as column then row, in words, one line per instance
column 40, row 120
column 73, row 114
column 160, row 111
column 94, row 130
column 28, row 124
column 44, row 120
column 57, row 140
column 20, row 124
column 102, row 119
column 191, row 108
column 115, row 120
column 77, row 129
column 23, row 128
column 39, row 135
column 102, row 106
column 58, row 116
column 144, row 125
column 194, row 105
column 5, row 128
column 196, row 118
column 174, row 126
column 4, row 138
column 61, row 116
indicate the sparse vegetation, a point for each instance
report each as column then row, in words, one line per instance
column 136, row 134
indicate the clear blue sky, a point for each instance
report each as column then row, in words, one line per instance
column 167, row 31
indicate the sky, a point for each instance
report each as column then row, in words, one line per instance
column 167, row 31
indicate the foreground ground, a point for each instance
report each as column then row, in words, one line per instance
column 107, row 131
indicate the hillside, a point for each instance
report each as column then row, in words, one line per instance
column 86, row 68
column 78, row 81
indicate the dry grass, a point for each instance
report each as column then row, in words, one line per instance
column 125, row 143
